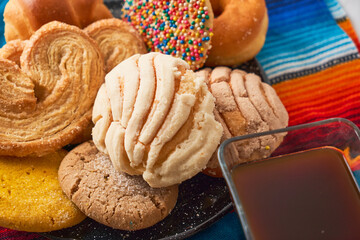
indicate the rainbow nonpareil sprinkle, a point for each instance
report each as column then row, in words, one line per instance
column 178, row 28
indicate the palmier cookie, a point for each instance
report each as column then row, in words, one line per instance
column 12, row 50
column 179, row 28
column 47, row 102
column 114, row 199
column 117, row 40
column 31, row 198
column 244, row 105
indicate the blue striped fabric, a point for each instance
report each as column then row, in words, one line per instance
column 2, row 25
column 303, row 38
column 336, row 9
column 357, row 176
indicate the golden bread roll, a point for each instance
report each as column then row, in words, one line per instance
column 117, row 40
column 154, row 117
column 23, row 17
column 47, row 102
column 244, row 105
column 239, row 31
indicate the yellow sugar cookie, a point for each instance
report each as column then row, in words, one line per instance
column 31, row 198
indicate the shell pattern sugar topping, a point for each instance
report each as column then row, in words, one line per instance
column 154, row 117
column 245, row 105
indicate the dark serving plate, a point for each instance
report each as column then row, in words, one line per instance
column 202, row 200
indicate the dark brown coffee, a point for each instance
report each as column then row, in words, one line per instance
column 306, row 195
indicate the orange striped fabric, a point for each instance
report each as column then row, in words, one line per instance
column 348, row 28
column 332, row 92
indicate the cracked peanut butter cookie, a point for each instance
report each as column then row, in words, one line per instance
column 114, row 199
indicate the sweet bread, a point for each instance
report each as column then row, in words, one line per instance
column 239, row 31
column 154, row 117
column 47, row 102
column 244, row 105
column 117, row 40
column 12, row 51
column 23, row 17
column 31, row 198
column 112, row 198
column 180, row 28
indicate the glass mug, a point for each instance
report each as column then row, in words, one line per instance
column 304, row 189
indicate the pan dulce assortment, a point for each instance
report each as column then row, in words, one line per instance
column 131, row 93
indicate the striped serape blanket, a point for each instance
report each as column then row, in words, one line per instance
column 311, row 57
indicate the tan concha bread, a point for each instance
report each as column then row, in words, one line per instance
column 47, row 102
column 244, row 105
column 117, row 40
column 23, row 17
column 154, row 117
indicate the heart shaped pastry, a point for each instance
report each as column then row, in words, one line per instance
column 117, row 40
column 12, row 50
column 46, row 103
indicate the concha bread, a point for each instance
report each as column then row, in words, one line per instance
column 23, row 17
column 154, row 117
column 245, row 105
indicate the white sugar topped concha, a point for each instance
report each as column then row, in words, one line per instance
column 154, row 117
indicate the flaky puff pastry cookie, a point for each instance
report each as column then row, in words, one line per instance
column 117, row 40
column 244, row 105
column 46, row 103
column 12, row 50
column 154, row 117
